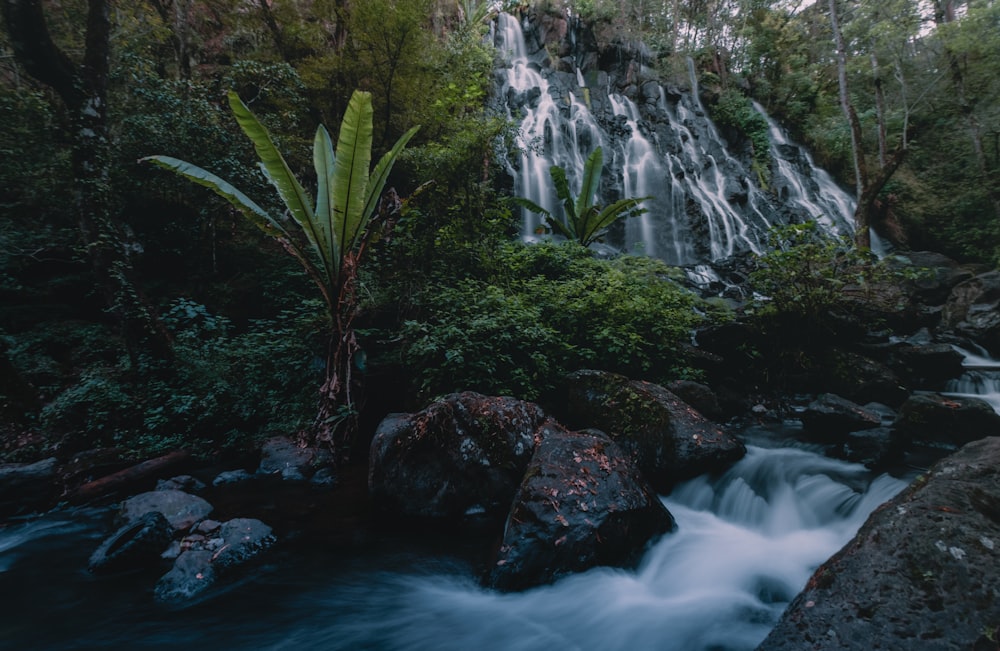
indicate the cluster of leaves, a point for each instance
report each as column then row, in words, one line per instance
column 223, row 391
column 809, row 274
column 734, row 109
column 549, row 309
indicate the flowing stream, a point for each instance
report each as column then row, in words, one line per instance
column 981, row 378
column 745, row 545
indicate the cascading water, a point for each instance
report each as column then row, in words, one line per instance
column 981, row 379
column 746, row 543
column 705, row 204
column 816, row 194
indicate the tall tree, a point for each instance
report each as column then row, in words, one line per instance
column 83, row 88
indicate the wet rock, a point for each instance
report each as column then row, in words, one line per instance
column 281, row 457
column 973, row 310
column 209, row 556
column 138, row 544
column 179, row 508
column 185, row 483
column 937, row 274
column 831, row 418
column 581, row 504
column 946, row 420
column 466, row 452
column 920, row 575
column 27, row 486
column 875, row 448
column 667, row 438
column 861, row 379
column 230, row 477
column 698, row 396
column 926, row 365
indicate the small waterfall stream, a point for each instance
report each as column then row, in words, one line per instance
column 981, row 378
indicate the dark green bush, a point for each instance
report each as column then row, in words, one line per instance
column 552, row 309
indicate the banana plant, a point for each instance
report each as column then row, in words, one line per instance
column 586, row 222
column 326, row 234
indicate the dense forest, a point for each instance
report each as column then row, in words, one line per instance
column 143, row 312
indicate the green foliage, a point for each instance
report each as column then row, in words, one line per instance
column 553, row 309
column 224, row 391
column 734, row 109
column 585, row 222
column 807, row 274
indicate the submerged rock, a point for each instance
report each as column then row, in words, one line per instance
column 667, row 438
column 465, row 453
column 136, row 545
column 921, row 574
column 581, row 504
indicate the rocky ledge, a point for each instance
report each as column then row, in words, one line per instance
column 921, row 574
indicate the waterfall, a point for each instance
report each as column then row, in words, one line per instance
column 705, row 203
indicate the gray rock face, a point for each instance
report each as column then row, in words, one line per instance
column 922, row 574
column 668, row 439
column 179, row 508
column 581, row 504
column 464, row 452
column 973, row 309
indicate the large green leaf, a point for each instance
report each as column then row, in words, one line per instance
column 530, row 205
column 591, row 180
column 596, row 221
column 324, row 162
column 295, row 197
column 350, row 176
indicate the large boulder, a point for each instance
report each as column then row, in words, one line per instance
column 465, row 453
column 860, row 379
column 920, row 575
column 973, row 310
column 946, row 420
column 667, row 438
column 830, row 418
column 936, row 274
column 581, row 504
column 926, row 365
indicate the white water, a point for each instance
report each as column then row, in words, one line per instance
column 981, row 379
column 746, row 543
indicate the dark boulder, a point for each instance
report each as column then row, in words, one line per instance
column 465, row 453
column 920, row 575
column 136, row 545
column 831, row 418
column 581, row 504
column 860, row 379
column 936, row 274
column 973, row 310
column 281, row 457
column 667, row 438
column 946, row 420
column 699, row 396
column 875, row 448
column 926, row 365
